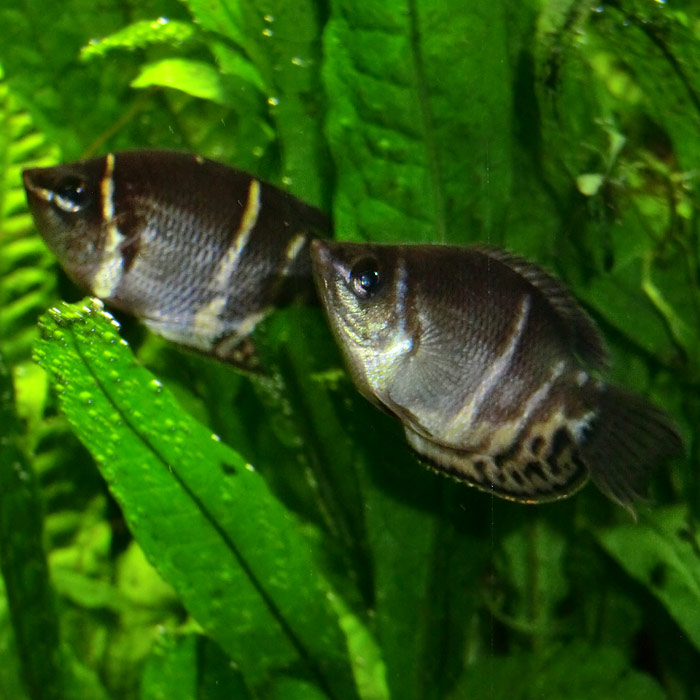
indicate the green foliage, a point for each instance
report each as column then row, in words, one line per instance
column 158, row 564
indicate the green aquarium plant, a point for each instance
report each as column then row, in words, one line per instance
column 172, row 528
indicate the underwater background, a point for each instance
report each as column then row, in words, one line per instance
column 170, row 528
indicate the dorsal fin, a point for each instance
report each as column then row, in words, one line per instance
column 588, row 344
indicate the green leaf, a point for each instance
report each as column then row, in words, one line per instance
column 140, row 35
column 420, row 119
column 26, row 288
column 195, row 78
column 190, row 668
column 664, row 556
column 23, row 562
column 575, row 672
column 281, row 43
column 203, row 516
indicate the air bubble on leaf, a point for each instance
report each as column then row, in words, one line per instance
column 267, row 32
column 250, row 467
column 286, row 180
column 85, row 397
column 156, row 385
column 215, row 437
column 258, row 151
column 269, row 18
column 273, row 101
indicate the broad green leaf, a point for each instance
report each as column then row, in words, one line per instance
column 419, row 121
column 664, row 556
column 203, row 516
column 575, row 671
column 140, row 35
column 196, row 78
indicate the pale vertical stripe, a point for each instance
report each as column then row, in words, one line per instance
column 229, row 262
column 109, row 274
column 537, row 398
column 290, row 253
column 461, row 423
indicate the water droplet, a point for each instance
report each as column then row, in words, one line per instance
column 273, row 101
column 250, row 467
column 156, row 386
column 267, row 32
column 301, row 62
column 269, row 18
column 85, row 397
column 258, row 151
column 215, row 437
column 286, row 180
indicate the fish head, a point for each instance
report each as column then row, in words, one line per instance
column 66, row 203
column 363, row 292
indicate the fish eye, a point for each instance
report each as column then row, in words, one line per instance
column 365, row 278
column 71, row 195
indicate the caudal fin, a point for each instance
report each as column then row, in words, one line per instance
column 629, row 438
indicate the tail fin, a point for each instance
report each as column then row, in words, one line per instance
column 629, row 438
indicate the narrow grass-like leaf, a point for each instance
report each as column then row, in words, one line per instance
column 202, row 515
column 23, row 562
column 191, row 668
column 664, row 556
column 281, row 43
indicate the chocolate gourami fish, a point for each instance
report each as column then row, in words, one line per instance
column 198, row 251
column 491, row 366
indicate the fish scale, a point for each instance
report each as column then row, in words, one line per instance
column 486, row 359
column 198, row 251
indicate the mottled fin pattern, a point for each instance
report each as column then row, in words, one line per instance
column 627, row 440
column 587, row 342
column 547, row 468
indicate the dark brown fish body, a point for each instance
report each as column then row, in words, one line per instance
column 487, row 361
column 197, row 250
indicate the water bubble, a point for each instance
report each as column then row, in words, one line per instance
column 156, row 385
column 267, row 32
column 269, row 18
column 273, row 101
column 85, row 397
column 250, row 467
